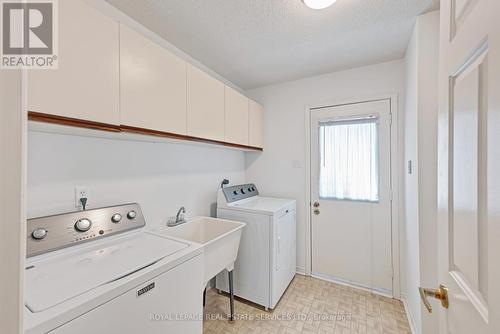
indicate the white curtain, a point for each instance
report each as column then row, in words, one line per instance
column 349, row 160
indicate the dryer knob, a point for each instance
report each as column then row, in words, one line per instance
column 39, row 233
column 116, row 218
column 83, row 225
column 131, row 215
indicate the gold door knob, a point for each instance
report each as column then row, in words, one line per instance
column 441, row 294
column 316, row 212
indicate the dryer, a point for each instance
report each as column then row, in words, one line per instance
column 266, row 262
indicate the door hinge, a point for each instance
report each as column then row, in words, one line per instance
column 390, row 118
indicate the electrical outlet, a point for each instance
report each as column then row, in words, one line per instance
column 81, row 192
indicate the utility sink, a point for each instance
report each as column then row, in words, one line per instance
column 220, row 239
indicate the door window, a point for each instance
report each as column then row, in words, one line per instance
column 349, row 159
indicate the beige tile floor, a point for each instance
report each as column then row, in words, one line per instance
column 310, row 306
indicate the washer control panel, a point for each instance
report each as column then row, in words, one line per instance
column 239, row 192
column 46, row 234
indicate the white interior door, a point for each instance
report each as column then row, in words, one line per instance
column 351, row 194
column 469, row 162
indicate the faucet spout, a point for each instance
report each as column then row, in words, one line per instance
column 182, row 210
column 179, row 218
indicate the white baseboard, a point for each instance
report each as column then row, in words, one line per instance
column 409, row 315
column 301, row 271
column 381, row 292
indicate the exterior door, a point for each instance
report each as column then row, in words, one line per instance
column 351, row 194
column 469, row 163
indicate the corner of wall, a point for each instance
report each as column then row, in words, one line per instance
column 409, row 315
column 420, row 112
column 13, row 125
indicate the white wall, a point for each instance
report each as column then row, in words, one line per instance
column 279, row 170
column 12, row 183
column 410, row 241
column 420, row 132
column 160, row 176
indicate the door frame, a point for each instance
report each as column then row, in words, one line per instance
column 396, row 175
column 13, row 251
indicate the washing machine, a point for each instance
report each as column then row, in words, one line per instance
column 99, row 271
column 266, row 262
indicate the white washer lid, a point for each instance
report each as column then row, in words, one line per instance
column 66, row 276
column 268, row 205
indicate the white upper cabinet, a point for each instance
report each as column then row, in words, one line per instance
column 109, row 74
column 85, row 86
column 236, row 107
column 205, row 105
column 255, row 124
column 152, row 85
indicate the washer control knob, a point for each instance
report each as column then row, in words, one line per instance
column 39, row 233
column 243, row 191
column 83, row 225
column 131, row 215
column 116, row 218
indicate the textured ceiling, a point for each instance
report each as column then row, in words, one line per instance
column 259, row 42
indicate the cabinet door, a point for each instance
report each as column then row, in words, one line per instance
column 236, row 109
column 255, row 124
column 152, row 85
column 205, row 105
column 85, row 86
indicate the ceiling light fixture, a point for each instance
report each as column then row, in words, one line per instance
column 318, row 4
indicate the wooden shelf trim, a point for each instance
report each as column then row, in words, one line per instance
column 80, row 123
column 74, row 122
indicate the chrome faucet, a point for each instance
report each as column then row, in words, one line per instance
column 179, row 218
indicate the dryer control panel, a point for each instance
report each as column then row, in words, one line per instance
column 46, row 234
column 239, row 192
